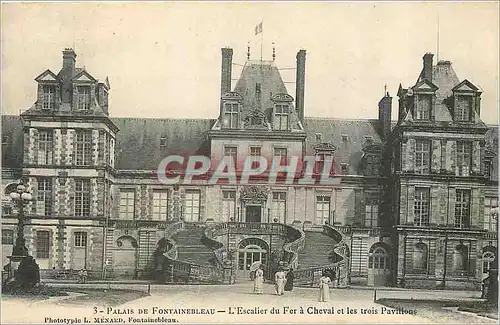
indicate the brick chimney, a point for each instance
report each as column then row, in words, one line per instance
column 384, row 115
column 67, row 72
column 427, row 72
column 300, row 83
column 225, row 76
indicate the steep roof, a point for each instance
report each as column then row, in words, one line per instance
column 12, row 141
column 334, row 130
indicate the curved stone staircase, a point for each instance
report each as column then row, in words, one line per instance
column 190, row 247
column 317, row 250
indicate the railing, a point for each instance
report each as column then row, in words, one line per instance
column 340, row 266
column 219, row 273
column 138, row 224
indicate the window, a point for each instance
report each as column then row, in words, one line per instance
column 192, row 206
column 44, row 197
column 255, row 151
column 163, row 142
column 322, row 209
column 231, row 116
column 82, row 197
column 464, row 157
column 42, row 244
column 379, row 259
column 487, row 169
column 490, row 218
column 460, row 259
column 344, row 168
column 279, row 207
column 371, row 165
column 83, row 98
column 49, row 97
column 80, row 239
column 422, row 156
column 83, row 148
column 488, row 260
column 7, row 237
column 45, row 147
column 344, row 138
column 228, row 205
column 319, row 137
column 160, row 205
column 462, row 209
column 424, row 104
column 368, row 140
column 463, row 108
column 5, row 140
column 127, row 203
column 320, row 164
column 420, row 257
column 371, row 212
column 281, row 117
column 231, row 152
column 282, row 153
column 421, row 207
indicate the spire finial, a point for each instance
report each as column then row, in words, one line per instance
column 385, row 89
column 248, row 51
column 274, row 52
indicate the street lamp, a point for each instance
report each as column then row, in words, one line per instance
column 20, row 197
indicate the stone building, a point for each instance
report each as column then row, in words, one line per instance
column 410, row 202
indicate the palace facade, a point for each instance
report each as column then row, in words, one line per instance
column 411, row 204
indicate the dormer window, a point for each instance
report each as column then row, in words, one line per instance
column 163, row 141
column 5, row 140
column 368, row 140
column 318, row 137
column 424, row 103
column 49, row 96
column 344, row 168
column 231, row 116
column 83, row 98
column 345, row 139
column 463, row 108
column 281, row 117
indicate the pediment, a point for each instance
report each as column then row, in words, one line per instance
column 465, row 86
column 47, row 75
column 324, row 146
column 232, row 95
column 425, row 86
column 84, row 76
column 282, row 98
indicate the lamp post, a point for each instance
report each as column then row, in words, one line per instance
column 20, row 197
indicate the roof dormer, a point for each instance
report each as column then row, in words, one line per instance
column 282, row 109
column 48, row 97
column 231, row 110
column 424, row 98
column 466, row 100
column 84, row 91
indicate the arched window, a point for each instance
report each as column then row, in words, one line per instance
column 420, row 257
column 379, row 258
column 460, row 258
column 488, row 260
column 252, row 250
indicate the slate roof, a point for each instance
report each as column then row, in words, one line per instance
column 138, row 141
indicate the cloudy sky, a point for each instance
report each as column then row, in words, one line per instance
column 163, row 59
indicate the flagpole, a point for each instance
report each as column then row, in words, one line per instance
column 261, row 38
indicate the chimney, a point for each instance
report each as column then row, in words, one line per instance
column 69, row 61
column 427, row 72
column 300, row 83
column 384, row 115
column 225, row 77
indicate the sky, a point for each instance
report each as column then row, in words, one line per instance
column 163, row 59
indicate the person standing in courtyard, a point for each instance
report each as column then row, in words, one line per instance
column 289, row 280
column 280, row 279
column 258, row 286
column 324, row 287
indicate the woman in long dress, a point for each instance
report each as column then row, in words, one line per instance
column 324, row 287
column 258, row 286
column 289, row 280
column 280, row 279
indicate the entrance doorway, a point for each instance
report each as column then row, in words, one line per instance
column 251, row 250
column 253, row 213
